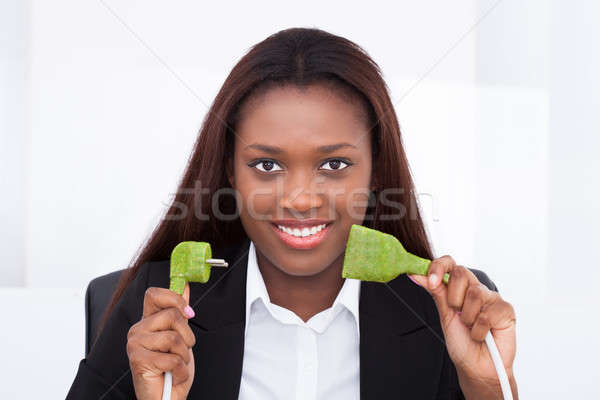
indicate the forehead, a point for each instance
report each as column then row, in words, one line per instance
column 290, row 118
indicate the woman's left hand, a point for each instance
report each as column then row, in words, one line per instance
column 468, row 310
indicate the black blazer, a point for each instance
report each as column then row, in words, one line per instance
column 402, row 353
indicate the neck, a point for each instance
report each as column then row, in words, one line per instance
column 304, row 295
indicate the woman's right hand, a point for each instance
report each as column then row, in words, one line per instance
column 162, row 341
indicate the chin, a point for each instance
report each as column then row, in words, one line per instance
column 302, row 272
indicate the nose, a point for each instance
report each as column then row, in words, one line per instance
column 304, row 194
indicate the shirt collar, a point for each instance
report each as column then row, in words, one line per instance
column 255, row 284
column 255, row 289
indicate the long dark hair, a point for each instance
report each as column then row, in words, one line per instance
column 299, row 57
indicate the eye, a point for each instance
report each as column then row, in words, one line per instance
column 267, row 165
column 335, row 163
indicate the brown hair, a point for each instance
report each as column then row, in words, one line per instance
column 299, row 57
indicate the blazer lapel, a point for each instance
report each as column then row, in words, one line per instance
column 220, row 306
column 401, row 346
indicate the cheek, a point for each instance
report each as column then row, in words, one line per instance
column 353, row 205
column 351, row 201
column 256, row 198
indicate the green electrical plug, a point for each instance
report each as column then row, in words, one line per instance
column 191, row 262
column 372, row 255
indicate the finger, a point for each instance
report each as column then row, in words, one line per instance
column 168, row 319
column 437, row 269
column 161, row 363
column 164, row 341
column 424, row 280
column 476, row 296
column 497, row 315
column 460, row 280
column 156, row 299
column 186, row 293
column 501, row 314
column 418, row 279
column 434, row 285
column 189, row 311
column 481, row 327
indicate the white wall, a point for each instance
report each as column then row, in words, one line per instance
column 537, row 72
column 122, row 105
column 13, row 70
column 574, row 143
column 100, row 103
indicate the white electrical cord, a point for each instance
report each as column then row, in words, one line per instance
column 169, row 384
column 504, row 384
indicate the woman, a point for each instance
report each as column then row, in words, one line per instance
column 300, row 143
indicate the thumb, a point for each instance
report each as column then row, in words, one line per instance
column 186, row 293
column 436, row 289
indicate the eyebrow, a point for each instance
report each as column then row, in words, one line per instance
column 278, row 150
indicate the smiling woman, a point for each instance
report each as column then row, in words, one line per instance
column 300, row 205
column 306, row 176
column 303, row 140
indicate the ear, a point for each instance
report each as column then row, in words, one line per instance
column 229, row 172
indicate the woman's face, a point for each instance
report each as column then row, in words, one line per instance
column 301, row 157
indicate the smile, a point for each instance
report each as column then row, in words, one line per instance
column 302, row 232
column 301, row 236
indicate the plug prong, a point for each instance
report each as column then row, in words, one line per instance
column 217, row 262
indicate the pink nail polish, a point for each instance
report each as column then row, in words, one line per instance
column 413, row 279
column 189, row 312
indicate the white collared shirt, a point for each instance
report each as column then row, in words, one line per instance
column 287, row 358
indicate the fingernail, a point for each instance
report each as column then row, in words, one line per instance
column 432, row 280
column 413, row 279
column 189, row 311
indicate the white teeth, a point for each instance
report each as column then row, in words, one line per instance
column 301, row 233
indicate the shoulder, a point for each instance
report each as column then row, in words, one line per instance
column 150, row 273
column 129, row 306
